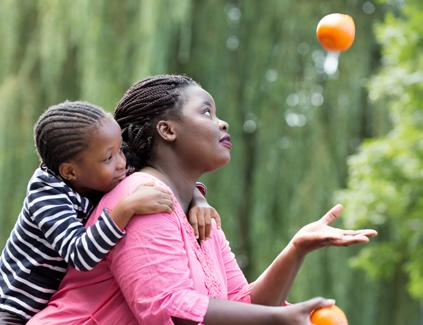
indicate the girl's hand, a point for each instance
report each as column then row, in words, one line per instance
column 319, row 234
column 300, row 313
column 199, row 216
column 149, row 197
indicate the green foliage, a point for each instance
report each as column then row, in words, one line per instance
column 385, row 188
column 292, row 125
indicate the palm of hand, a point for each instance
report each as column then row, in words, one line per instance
column 319, row 234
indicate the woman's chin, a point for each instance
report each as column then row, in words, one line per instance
column 219, row 163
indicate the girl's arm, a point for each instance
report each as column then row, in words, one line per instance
column 55, row 213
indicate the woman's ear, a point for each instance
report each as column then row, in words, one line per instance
column 67, row 171
column 166, row 130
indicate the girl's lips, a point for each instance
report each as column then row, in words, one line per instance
column 122, row 176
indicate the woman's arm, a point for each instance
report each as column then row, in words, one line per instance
column 272, row 287
column 152, row 269
column 224, row 312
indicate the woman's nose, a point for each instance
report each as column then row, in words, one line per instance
column 223, row 125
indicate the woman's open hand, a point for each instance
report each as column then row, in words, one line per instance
column 320, row 234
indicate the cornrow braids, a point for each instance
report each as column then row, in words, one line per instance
column 61, row 132
column 141, row 107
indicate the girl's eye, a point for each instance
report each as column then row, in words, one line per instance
column 207, row 112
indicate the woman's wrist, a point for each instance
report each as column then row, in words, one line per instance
column 294, row 250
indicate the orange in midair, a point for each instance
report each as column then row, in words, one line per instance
column 332, row 315
column 336, row 32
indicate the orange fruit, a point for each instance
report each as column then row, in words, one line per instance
column 336, row 32
column 332, row 315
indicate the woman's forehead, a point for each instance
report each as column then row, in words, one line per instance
column 195, row 95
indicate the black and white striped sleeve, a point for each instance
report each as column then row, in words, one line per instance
column 55, row 214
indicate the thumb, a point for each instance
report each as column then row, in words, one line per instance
column 332, row 214
column 317, row 302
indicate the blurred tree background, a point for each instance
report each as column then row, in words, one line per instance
column 293, row 124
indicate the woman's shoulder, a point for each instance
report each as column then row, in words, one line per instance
column 130, row 184
column 136, row 179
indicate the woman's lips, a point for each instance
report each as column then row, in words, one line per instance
column 226, row 142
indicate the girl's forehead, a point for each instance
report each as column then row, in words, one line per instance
column 107, row 126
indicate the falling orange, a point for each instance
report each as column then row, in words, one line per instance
column 332, row 315
column 336, row 32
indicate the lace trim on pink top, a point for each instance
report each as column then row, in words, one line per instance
column 214, row 286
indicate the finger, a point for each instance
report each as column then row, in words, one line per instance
column 207, row 221
column 332, row 214
column 159, row 207
column 349, row 232
column 165, row 207
column 350, row 240
column 361, row 232
column 165, row 200
column 160, row 196
column 201, row 226
column 215, row 215
column 145, row 183
column 318, row 302
column 168, row 204
column 164, row 191
column 367, row 232
column 192, row 218
column 142, row 187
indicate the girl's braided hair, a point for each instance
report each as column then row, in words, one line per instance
column 140, row 109
column 62, row 132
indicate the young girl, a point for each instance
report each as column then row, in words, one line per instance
column 79, row 145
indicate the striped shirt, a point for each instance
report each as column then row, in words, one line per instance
column 48, row 236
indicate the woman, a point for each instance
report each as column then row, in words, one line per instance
column 159, row 274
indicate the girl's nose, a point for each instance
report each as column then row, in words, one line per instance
column 121, row 161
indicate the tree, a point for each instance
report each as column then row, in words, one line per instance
column 385, row 187
column 292, row 125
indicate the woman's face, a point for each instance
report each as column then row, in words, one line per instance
column 201, row 136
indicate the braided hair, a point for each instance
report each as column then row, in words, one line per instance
column 139, row 110
column 61, row 132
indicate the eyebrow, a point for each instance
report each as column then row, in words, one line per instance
column 109, row 149
column 206, row 102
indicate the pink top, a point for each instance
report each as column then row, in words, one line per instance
column 156, row 271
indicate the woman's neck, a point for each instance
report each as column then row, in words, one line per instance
column 180, row 182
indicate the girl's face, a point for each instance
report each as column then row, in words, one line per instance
column 201, row 136
column 102, row 165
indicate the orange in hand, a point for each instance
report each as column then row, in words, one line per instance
column 336, row 32
column 332, row 315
